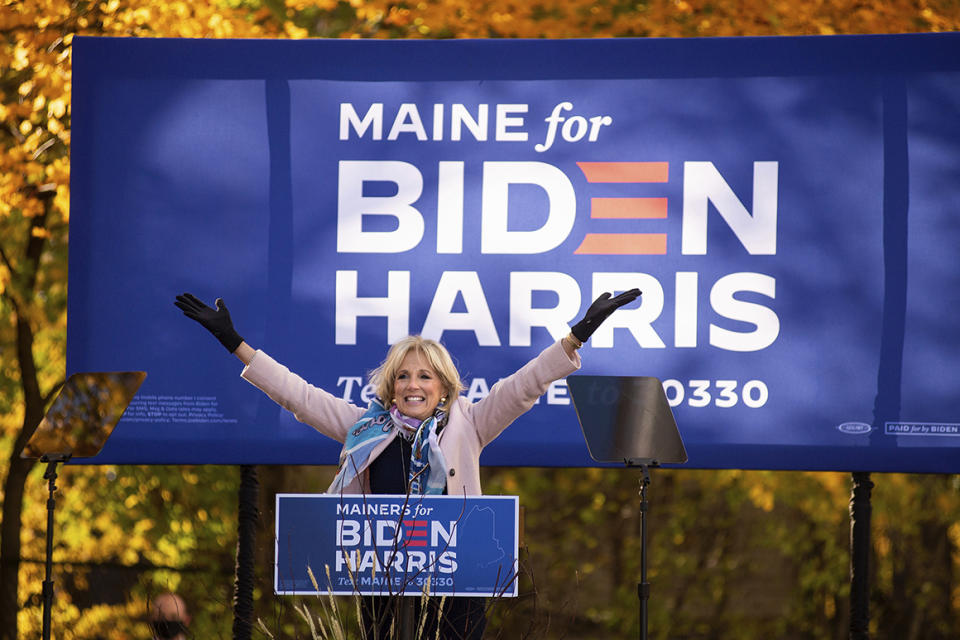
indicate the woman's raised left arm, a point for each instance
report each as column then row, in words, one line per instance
column 514, row 395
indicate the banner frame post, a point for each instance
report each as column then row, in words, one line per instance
column 860, row 515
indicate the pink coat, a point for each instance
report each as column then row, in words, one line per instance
column 471, row 425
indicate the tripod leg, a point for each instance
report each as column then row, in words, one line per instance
column 643, row 588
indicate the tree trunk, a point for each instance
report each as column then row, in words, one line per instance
column 10, row 544
column 33, row 407
column 14, row 484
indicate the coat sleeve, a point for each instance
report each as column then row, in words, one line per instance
column 326, row 413
column 514, row 395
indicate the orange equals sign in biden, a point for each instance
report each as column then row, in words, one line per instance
column 416, row 533
column 625, row 208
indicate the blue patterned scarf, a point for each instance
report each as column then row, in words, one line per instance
column 428, row 468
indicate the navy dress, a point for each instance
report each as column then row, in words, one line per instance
column 459, row 618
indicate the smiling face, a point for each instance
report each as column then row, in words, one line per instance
column 417, row 387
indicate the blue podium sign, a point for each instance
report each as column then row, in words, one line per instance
column 396, row 545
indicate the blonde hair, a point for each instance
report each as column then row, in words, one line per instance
column 384, row 376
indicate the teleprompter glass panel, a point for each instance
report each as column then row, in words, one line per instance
column 84, row 414
column 626, row 419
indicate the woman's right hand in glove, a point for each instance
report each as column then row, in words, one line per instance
column 217, row 321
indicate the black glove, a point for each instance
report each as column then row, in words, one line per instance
column 216, row 321
column 599, row 311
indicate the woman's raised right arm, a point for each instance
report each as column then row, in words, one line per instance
column 328, row 414
column 245, row 353
column 215, row 320
column 311, row 405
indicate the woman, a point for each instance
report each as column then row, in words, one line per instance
column 419, row 435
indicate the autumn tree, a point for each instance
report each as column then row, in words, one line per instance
column 34, row 213
column 610, row 18
column 34, row 178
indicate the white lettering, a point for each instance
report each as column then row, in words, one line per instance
column 685, row 310
column 373, row 119
column 701, row 394
column 386, row 533
column 348, row 533
column 349, row 382
column 437, row 532
column 754, row 393
column 504, row 121
column 638, row 321
column 508, row 122
column 416, row 560
column 447, row 562
column 459, row 117
column 395, row 307
column 407, row 121
column 353, row 206
column 476, row 318
column 450, row 207
column 551, row 300
column 557, row 393
column 438, row 122
column 495, row 237
column 573, row 128
column 552, row 121
column 763, row 318
column 728, row 394
column 703, row 184
column 762, row 394
column 595, row 123
column 523, row 316
column 348, row 558
column 478, row 390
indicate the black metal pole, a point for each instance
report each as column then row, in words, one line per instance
column 643, row 588
column 860, row 511
column 50, row 475
column 247, row 517
column 408, row 617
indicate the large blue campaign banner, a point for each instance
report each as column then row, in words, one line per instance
column 396, row 545
column 788, row 206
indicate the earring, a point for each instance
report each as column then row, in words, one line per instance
column 443, row 399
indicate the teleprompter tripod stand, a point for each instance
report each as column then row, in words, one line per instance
column 77, row 425
column 628, row 420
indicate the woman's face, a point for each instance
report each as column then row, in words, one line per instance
column 417, row 388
